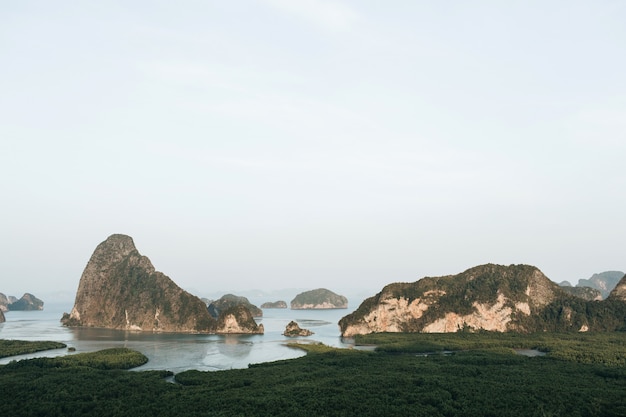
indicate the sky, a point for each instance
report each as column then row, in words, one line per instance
column 269, row 144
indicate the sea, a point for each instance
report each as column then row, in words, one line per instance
column 178, row 352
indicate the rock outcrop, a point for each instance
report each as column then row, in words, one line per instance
column 318, row 300
column 28, row 302
column 604, row 281
column 229, row 300
column 2, row 319
column 4, row 302
column 120, row 289
column 488, row 297
column 238, row 319
column 294, row 330
column 275, row 304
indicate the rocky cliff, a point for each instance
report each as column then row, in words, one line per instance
column 229, row 300
column 2, row 319
column 4, row 302
column 238, row 319
column 488, row 297
column 120, row 289
column 318, row 299
column 28, row 302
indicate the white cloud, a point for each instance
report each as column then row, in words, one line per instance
column 330, row 15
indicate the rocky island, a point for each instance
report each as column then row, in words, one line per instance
column 238, row 319
column 120, row 289
column 230, row 300
column 275, row 304
column 28, row 302
column 318, row 299
column 294, row 330
column 488, row 297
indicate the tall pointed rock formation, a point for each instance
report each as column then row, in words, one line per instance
column 120, row 289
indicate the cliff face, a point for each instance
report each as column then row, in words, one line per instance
column 238, row 319
column 318, row 299
column 4, row 302
column 2, row 319
column 489, row 297
column 120, row 289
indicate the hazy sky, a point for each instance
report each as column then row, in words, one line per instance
column 311, row 143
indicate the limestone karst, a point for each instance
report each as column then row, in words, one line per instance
column 294, row 330
column 27, row 302
column 318, row 299
column 487, row 297
column 120, row 289
column 238, row 319
column 230, row 300
column 274, row 304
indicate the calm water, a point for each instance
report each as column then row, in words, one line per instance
column 179, row 352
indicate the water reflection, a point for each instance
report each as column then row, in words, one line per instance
column 178, row 352
column 235, row 346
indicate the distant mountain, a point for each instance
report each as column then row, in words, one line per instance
column 318, row 299
column 619, row 292
column 488, row 297
column 586, row 293
column 275, row 304
column 604, row 281
column 28, row 302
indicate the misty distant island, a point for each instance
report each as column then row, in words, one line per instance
column 28, row 302
column 274, row 304
column 319, row 299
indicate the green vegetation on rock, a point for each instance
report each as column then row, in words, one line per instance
column 320, row 298
column 516, row 298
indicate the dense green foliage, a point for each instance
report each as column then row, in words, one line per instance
column 114, row 358
column 333, row 382
column 21, row 347
column 607, row 348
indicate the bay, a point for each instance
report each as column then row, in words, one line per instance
column 177, row 352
